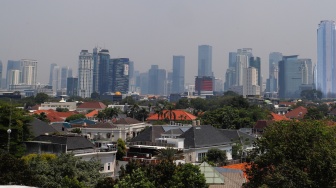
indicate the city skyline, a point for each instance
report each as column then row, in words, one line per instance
column 152, row 32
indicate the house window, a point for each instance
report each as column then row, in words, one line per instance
column 108, row 135
column 102, row 168
column 108, row 166
column 201, row 156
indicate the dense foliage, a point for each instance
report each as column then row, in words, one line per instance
column 164, row 174
column 47, row 170
column 216, row 157
column 18, row 121
column 75, row 117
column 121, row 149
column 294, row 154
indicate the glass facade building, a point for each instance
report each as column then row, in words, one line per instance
column 178, row 74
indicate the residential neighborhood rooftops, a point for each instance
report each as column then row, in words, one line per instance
column 127, row 121
column 92, row 105
column 179, row 115
column 297, row 113
column 72, row 142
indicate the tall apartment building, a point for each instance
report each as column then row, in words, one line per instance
column 12, row 65
column 242, row 62
column 72, row 86
column 250, row 85
column 178, row 74
column 66, row 72
column 157, row 81
column 326, row 58
column 28, row 71
column 85, row 74
column 51, row 73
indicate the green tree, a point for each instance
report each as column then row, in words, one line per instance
column 107, row 182
column 183, row 103
column 112, row 112
column 42, row 116
column 216, row 157
column 137, row 179
column 314, row 114
column 188, row 176
column 169, row 154
column 294, row 154
column 312, row 94
column 41, row 98
column 142, row 114
column 121, row 149
column 75, row 117
column 158, row 109
column 170, row 112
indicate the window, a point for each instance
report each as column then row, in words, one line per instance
column 201, row 156
column 108, row 166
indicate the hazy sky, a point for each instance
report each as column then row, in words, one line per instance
column 152, row 31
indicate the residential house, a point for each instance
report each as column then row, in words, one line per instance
column 297, row 113
column 177, row 115
column 71, row 106
column 89, row 106
column 77, row 145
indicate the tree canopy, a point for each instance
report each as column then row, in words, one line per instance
column 74, row 117
column 294, row 154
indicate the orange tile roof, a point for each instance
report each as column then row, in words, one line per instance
column 179, row 115
column 55, row 116
column 277, row 117
column 93, row 113
column 239, row 166
column 297, row 113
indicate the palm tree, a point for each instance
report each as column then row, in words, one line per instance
column 169, row 154
column 170, row 112
column 112, row 112
column 143, row 114
column 159, row 110
column 134, row 110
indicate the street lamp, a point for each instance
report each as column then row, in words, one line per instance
column 8, row 145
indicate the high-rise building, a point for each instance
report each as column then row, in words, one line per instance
column 55, row 79
column 230, row 75
column 105, row 76
column 250, row 85
column 204, row 85
column 142, row 82
column 178, row 74
column 326, row 58
column 13, row 77
column 85, row 74
column 132, row 87
column 242, row 62
column 295, row 75
column 205, row 60
column 232, row 59
column 157, row 81
column 120, row 72
column 72, row 86
column 255, row 62
column 96, row 69
column 272, row 81
column 65, row 73
column 28, row 71
column 11, row 65
column 51, row 73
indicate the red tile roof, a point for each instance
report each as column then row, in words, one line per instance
column 297, row 113
column 277, row 117
column 179, row 115
column 261, row 124
column 55, row 116
column 92, row 105
column 239, row 166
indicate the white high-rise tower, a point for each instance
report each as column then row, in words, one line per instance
column 85, row 74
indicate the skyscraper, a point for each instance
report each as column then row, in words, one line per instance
column 205, row 60
column 326, row 58
column 255, row 62
column 120, row 72
column 12, row 65
column 51, row 73
column 178, row 74
column 28, row 71
column 95, row 69
column 242, row 62
column 85, row 74
column 104, row 72
column 55, row 79
column 65, row 73
column 295, row 75
column 230, row 75
column 72, row 86
column 250, row 85
column 272, row 81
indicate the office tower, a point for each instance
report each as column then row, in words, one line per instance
column 28, row 71
column 326, row 58
column 218, row 85
column 13, row 78
column 11, row 65
column 120, row 72
column 72, row 86
column 131, row 84
column 295, row 75
column 85, row 74
column 169, row 82
column 242, row 62
column 96, row 69
column 104, row 72
column 205, row 60
column 143, row 82
column 51, row 73
column 272, row 81
column 230, row 75
column 250, row 85
column 157, row 80
column 178, row 74
column 55, row 79
column 255, row 62
column 65, row 73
